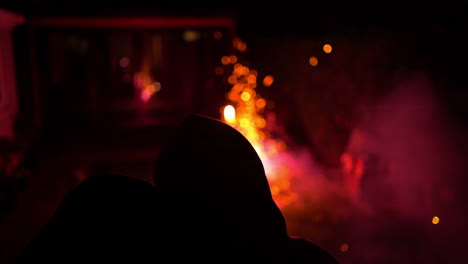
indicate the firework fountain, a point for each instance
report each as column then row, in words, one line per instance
column 392, row 187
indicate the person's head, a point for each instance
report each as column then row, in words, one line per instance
column 210, row 174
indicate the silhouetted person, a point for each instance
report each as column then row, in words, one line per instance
column 217, row 202
column 107, row 217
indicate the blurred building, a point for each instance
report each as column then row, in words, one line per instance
column 124, row 71
column 102, row 85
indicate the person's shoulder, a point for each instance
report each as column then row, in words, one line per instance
column 308, row 251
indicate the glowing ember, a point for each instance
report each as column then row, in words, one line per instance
column 435, row 220
column 268, row 80
column 229, row 114
column 344, row 247
column 313, row 61
column 327, row 48
column 144, row 82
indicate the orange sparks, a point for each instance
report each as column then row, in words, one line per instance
column 245, row 111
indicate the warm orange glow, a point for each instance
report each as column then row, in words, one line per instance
column 229, row 114
column 242, row 47
column 260, row 122
column 237, row 69
column 251, row 92
column 157, row 86
column 191, row 35
column 435, row 220
column 313, row 61
column 217, row 34
column 327, row 48
column 244, row 113
column 244, row 123
column 225, row 60
column 275, row 190
column 144, row 82
column 124, row 61
column 251, row 78
column 281, row 144
column 245, row 96
column 233, row 59
column 232, row 79
column 260, row 103
column 244, row 70
column 239, row 45
column 344, row 247
column 268, row 80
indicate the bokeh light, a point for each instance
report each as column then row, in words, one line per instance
column 268, row 80
column 313, row 61
column 327, row 48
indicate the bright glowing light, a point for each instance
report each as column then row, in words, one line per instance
column 268, row 80
column 275, row 190
column 244, row 123
column 344, row 247
column 327, row 48
column 245, row 96
column 247, row 118
column 124, row 61
column 145, row 95
column 435, row 220
column 313, row 61
column 229, row 114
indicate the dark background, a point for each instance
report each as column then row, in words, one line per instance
column 376, row 47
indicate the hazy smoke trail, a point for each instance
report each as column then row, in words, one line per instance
column 411, row 166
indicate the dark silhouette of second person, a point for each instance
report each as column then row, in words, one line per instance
column 107, row 218
column 216, row 200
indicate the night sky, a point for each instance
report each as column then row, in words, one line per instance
column 286, row 18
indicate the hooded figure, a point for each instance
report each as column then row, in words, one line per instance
column 217, row 202
column 107, row 217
